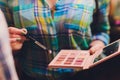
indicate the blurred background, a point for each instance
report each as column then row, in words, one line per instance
column 114, row 17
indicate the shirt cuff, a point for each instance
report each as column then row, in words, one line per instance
column 103, row 37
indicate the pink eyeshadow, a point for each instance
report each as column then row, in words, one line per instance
column 77, row 63
column 57, row 62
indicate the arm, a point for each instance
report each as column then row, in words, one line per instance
column 100, row 26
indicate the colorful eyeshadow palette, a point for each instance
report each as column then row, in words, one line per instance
column 70, row 59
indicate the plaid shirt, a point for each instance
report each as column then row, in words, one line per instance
column 7, row 69
column 69, row 27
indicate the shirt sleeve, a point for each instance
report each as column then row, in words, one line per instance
column 100, row 26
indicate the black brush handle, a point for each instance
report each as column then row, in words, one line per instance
column 37, row 43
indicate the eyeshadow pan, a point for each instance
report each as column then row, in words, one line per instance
column 77, row 63
column 79, row 60
column 57, row 62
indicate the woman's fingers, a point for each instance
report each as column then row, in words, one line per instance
column 17, row 37
column 12, row 40
column 17, row 34
column 95, row 46
column 94, row 49
column 13, row 30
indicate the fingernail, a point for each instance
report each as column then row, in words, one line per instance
column 18, row 39
column 92, row 51
column 24, row 31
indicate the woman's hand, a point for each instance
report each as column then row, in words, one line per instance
column 95, row 46
column 17, row 38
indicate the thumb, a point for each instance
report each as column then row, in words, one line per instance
column 95, row 48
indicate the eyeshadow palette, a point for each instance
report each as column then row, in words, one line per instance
column 81, row 59
column 70, row 59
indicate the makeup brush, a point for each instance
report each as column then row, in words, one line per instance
column 36, row 42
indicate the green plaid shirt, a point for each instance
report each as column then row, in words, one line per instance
column 70, row 28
